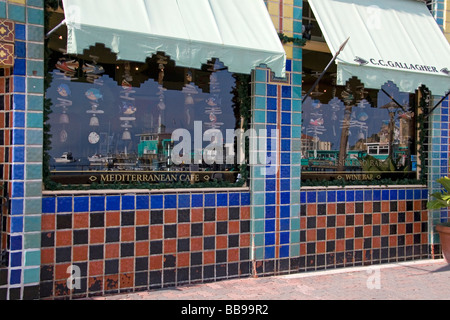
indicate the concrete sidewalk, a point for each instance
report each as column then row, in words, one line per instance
column 419, row 280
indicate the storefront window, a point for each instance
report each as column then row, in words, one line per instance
column 114, row 121
column 354, row 135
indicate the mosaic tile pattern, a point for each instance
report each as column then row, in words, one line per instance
column 138, row 242
column 22, row 123
column 353, row 227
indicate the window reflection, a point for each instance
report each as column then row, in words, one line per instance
column 110, row 115
column 359, row 134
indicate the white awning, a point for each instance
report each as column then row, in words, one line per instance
column 238, row 32
column 395, row 40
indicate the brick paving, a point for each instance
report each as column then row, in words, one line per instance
column 418, row 280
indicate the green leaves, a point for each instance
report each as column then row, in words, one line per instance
column 441, row 199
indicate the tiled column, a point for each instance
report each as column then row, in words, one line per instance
column 24, row 163
column 275, row 188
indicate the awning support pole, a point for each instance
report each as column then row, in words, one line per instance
column 55, row 28
column 440, row 101
column 325, row 70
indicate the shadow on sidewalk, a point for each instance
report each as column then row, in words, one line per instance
column 442, row 269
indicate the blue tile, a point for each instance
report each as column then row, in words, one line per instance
column 64, row 204
column 142, row 202
column 285, row 118
column 81, row 204
column 269, row 252
column 350, row 195
column 270, row 198
column 286, row 91
column 285, row 184
column 184, row 201
column 18, row 136
column 128, row 202
column 311, row 196
column 19, row 102
column 16, row 206
column 269, row 239
column 210, row 199
column 384, row 194
column 417, row 194
column 286, row 104
column 376, row 195
column 285, row 224
column 18, row 154
column 302, row 196
column 113, row 203
column 222, row 199
column 285, row 171
column 48, row 205
column 367, row 195
column 285, row 197
column 271, row 117
column 20, row 67
column 359, row 195
column 17, row 189
column 18, row 172
column 269, row 212
column 321, row 196
column 285, row 211
column 271, row 104
column 170, row 201
column 271, row 90
column 245, row 199
column 98, row 203
column 16, row 259
column 19, row 119
column 288, row 65
column 16, row 224
column 401, row 194
column 331, row 196
column 285, row 132
column 20, row 49
column 340, row 195
column 197, row 200
column 270, row 185
column 16, row 243
column 269, row 225
column 425, row 193
column 284, row 237
column 284, row 251
column 285, row 145
column 15, row 276
column 156, row 201
column 233, row 199
column 393, row 195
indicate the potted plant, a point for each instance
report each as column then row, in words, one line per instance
column 442, row 200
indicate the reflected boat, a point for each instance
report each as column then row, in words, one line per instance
column 66, row 157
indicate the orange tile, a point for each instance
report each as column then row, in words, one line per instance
column 340, row 220
column 48, row 222
column 209, row 257
column 384, row 230
column 184, row 230
column 47, row 256
column 142, row 218
column 340, row 245
column 359, row 244
column 245, row 213
column 170, row 246
column 234, row 226
column 311, row 209
column 170, row 216
column 367, row 231
column 111, row 282
column 392, row 241
column 155, row 262
column 359, row 219
column 417, row 205
column 401, row 205
column 311, row 235
column 385, row 206
column 197, row 215
column 221, row 242
column 97, row 235
column 127, row 234
column 126, row 265
column 244, row 240
column 95, row 268
column 368, row 207
column 127, row 280
column 233, row 255
column 196, row 244
column 401, row 228
column 80, row 253
column 350, row 207
column 142, row 248
column 80, row 220
column 331, row 233
column 331, row 208
column 409, row 239
column 222, row 214
column 302, row 249
column 393, row 217
column 63, row 238
column 95, row 284
column 376, row 218
column 349, row 232
column 183, row 259
column 112, row 218
column 321, row 222
column 209, row 228
column 376, row 242
column 112, row 250
column 156, row 232
column 409, row 216
column 61, row 271
column 320, row 247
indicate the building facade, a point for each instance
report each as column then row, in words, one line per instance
column 61, row 239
